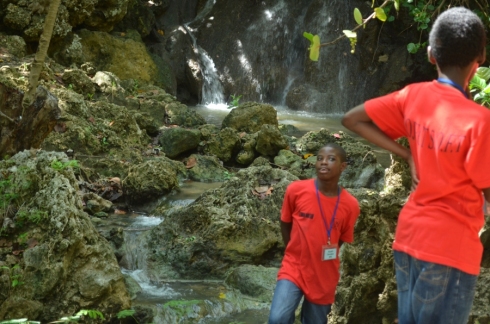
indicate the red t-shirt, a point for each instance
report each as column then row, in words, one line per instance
column 302, row 263
column 449, row 139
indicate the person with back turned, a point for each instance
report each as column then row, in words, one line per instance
column 437, row 250
column 317, row 216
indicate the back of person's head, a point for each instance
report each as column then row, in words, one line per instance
column 457, row 38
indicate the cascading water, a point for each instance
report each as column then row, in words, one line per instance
column 212, row 90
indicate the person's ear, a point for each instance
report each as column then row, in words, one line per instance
column 343, row 166
column 430, row 56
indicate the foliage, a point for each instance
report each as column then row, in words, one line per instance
column 13, row 275
column 58, row 165
column 126, row 313
column 480, row 86
column 6, row 193
column 421, row 11
column 235, row 101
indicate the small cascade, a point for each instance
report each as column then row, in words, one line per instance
column 212, row 89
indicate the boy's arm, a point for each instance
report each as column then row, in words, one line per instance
column 358, row 121
column 486, row 193
column 286, row 232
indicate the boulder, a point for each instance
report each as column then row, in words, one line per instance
column 177, row 140
column 61, row 253
column 235, row 224
column 249, row 117
column 270, row 140
column 15, row 45
column 247, row 153
column 152, row 179
column 255, row 281
column 79, row 82
column 205, row 169
column 224, row 145
column 180, row 114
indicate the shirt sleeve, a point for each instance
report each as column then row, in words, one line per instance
column 387, row 113
column 477, row 160
column 287, row 206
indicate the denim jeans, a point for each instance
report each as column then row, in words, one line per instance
column 285, row 301
column 430, row 293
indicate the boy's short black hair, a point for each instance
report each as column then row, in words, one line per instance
column 340, row 151
column 457, row 38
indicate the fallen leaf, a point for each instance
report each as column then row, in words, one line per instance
column 91, row 119
column 261, row 189
column 222, row 295
column 191, row 162
column 60, row 127
column 119, row 212
column 111, row 123
column 32, row 243
column 307, row 155
column 17, row 252
column 337, row 135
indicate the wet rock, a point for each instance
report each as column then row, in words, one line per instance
column 95, row 204
column 247, row 153
column 225, row 227
column 134, row 289
column 177, row 140
column 205, row 169
column 270, row 140
column 152, row 179
column 180, row 114
column 224, row 145
column 255, row 281
column 249, row 117
column 63, row 255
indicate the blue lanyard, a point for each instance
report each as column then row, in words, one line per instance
column 454, row 84
column 328, row 228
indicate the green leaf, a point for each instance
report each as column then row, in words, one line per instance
column 358, row 16
column 350, row 33
column 308, row 36
column 477, row 83
column 412, row 48
column 487, row 89
column 483, row 72
column 315, row 48
column 380, row 14
column 125, row 313
column 397, row 5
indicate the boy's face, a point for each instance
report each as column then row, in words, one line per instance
column 329, row 164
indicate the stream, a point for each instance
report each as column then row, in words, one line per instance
column 201, row 301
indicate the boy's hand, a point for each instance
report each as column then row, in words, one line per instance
column 413, row 172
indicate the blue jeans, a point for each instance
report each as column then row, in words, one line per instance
column 430, row 293
column 285, row 301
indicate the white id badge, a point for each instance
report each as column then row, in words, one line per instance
column 329, row 252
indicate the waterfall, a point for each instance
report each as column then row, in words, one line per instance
column 212, row 90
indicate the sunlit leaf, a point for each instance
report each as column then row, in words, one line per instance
column 350, row 33
column 487, row 89
column 380, row 14
column 307, row 155
column 483, row 72
column 358, row 16
column 477, row 83
column 315, row 48
column 308, row 36
column 222, row 295
column 397, row 5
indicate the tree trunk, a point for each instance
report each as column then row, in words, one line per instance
column 38, row 120
column 42, row 49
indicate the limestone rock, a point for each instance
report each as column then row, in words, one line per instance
column 152, row 179
column 205, row 169
column 255, row 281
column 180, row 114
column 63, row 256
column 270, row 140
column 224, row 145
column 80, row 82
column 177, row 140
column 225, row 227
column 15, row 45
column 249, row 117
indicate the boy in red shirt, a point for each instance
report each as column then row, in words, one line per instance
column 437, row 249
column 317, row 217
